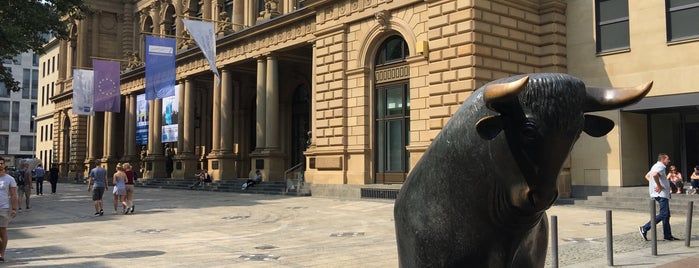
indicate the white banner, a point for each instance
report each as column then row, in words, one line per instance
column 203, row 34
column 83, row 93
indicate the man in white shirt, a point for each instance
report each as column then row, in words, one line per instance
column 659, row 189
column 8, row 200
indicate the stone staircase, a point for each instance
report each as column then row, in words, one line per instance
column 268, row 187
column 637, row 199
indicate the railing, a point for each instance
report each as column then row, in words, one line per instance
column 297, row 183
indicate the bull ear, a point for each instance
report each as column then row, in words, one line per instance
column 597, row 126
column 488, row 127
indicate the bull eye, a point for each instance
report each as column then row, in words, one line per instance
column 529, row 131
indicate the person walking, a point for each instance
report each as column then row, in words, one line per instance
column 8, row 199
column 130, row 180
column 119, row 182
column 97, row 183
column 39, row 173
column 26, row 181
column 53, row 177
column 659, row 189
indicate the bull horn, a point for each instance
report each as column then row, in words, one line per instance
column 502, row 92
column 600, row 99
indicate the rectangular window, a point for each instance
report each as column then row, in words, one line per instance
column 15, row 117
column 612, row 25
column 4, row 120
column 43, row 69
column 4, row 92
column 4, row 140
column 35, row 84
column 53, row 64
column 51, row 132
column 26, row 85
column 682, row 19
column 26, row 143
column 32, row 121
column 35, row 60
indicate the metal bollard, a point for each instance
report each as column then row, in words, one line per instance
column 610, row 237
column 554, row 241
column 653, row 233
column 688, row 231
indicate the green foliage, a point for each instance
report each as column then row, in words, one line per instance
column 28, row 24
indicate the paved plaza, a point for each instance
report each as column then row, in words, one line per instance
column 177, row 228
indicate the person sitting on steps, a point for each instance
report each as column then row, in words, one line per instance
column 254, row 180
column 202, row 178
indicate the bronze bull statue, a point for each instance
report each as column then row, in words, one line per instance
column 478, row 197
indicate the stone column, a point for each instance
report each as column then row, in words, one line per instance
column 261, row 103
column 272, row 114
column 82, row 50
column 216, row 118
column 127, row 130
column 226, row 112
column 92, row 136
column 227, row 166
column 238, row 15
column 108, row 141
column 185, row 165
column 214, row 155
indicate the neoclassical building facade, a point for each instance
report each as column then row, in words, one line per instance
column 352, row 91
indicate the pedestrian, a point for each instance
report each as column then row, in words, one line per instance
column 675, row 178
column 119, row 182
column 97, row 183
column 8, row 199
column 53, row 177
column 695, row 179
column 659, row 189
column 203, row 177
column 26, row 189
column 130, row 180
column 39, row 173
column 254, row 180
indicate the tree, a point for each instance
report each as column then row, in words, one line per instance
column 28, row 24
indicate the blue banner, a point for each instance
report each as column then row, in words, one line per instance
column 106, row 79
column 141, row 120
column 160, row 67
column 169, row 117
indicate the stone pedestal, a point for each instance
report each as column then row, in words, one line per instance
column 270, row 162
column 155, row 167
column 222, row 166
column 185, row 167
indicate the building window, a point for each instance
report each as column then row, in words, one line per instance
column 612, row 25
column 15, row 117
column 26, row 85
column 51, row 132
column 26, row 143
column 682, row 19
column 35, row 60
column 260, row 6
column 43, row 69
column 32, row 119
column 392, row 114
column 229, row 10
column 4, row 140
column 35, row 83
column 4, row 120
column 53, row 64
column 4, row 92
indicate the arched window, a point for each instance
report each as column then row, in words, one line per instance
column 391, row 111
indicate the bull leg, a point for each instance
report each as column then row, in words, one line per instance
column 532, row 250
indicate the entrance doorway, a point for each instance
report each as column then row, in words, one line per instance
column 677, row 134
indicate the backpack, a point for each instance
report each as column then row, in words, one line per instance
column 19, row 177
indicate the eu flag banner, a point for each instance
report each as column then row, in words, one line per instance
column 107, row 84
column 160, row 67
column 83, row 92
column 204, row 36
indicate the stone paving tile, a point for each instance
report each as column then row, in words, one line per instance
column 176, row 228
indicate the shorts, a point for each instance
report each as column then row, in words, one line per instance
column 129, row 188
column 4, row 217
column 23, row 190
column 97, row 193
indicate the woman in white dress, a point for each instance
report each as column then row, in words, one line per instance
column 119, row 192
